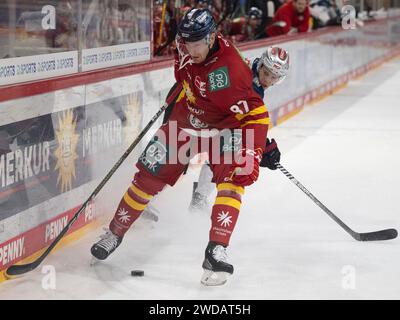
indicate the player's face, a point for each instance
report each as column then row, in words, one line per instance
column 202, row 6
column 198, row 50
column 266, row 78
column 254, row 23
column 300, row 5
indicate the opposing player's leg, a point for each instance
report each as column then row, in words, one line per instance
column 203, row 189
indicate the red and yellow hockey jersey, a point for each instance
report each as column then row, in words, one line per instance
column 218, row 93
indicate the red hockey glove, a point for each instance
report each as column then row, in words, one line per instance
column 245, row 171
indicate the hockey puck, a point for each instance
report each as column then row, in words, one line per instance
column 137, row 273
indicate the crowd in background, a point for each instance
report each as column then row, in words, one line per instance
column 245, row 20
column 26, row 27
column 47, row 26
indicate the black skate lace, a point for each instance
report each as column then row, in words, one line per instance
column 220, row 254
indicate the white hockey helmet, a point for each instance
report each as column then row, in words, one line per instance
column 276, row 61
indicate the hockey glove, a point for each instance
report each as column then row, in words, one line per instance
column 245, row 172
column 271, row 155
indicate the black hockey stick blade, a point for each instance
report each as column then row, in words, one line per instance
column 386, row 234
column 17, row 270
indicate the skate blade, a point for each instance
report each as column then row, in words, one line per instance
column 211, row 278
column 94, row 261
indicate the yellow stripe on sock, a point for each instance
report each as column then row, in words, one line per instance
column 140, row 193
column 260, row 110
column 228, row 202
column 259, row 121
column 230, row 187
column 132, row 203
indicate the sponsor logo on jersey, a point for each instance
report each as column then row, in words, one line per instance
column 154, row 155
column 197, row 123
column 219, row 79
column 194, row 110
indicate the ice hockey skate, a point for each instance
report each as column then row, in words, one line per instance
column 106, row 245
column 150, row 213
column 199, row 202
column 215, row 265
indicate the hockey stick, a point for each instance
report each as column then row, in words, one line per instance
column 386, row 234
column 16, row 270
column 164, row 7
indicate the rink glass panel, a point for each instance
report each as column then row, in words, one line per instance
column 44, row 39
column 30, row 28
column 45, row 26
column 112, row 22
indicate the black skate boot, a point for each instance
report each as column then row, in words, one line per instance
column 106, row 245
column 215, row 265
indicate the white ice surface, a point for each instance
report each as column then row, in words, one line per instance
column 345, row 150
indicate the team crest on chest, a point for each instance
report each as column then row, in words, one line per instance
column 196, row 122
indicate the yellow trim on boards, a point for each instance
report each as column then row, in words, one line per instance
column 68, row 239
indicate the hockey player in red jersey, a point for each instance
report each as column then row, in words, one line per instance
column 217, row 99
column 268, row 70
